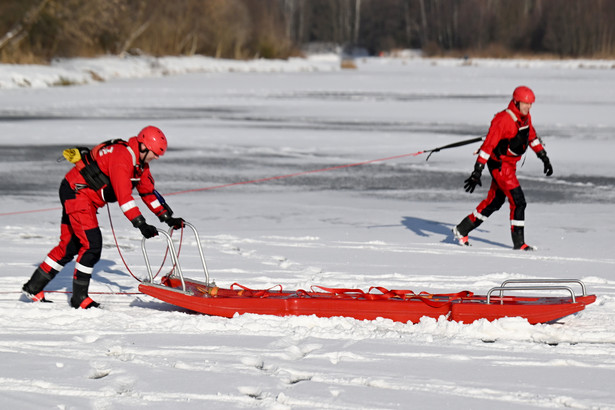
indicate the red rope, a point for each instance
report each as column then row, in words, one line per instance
column 29, row 212
column 117, row 245
column 296, row 174
column 68, row 293
column 255, row 181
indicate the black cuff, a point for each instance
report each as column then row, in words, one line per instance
column 138, row 221
column 542, row 154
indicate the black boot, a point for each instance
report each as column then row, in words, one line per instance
column 518, row 238
column 33, row 289
column 80, row 298
column 461, row 231
column 466, row 225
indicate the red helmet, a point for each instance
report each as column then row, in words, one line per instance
column 153, row 139
column 524, row 94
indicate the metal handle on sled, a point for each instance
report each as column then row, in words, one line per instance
column 174, row 258
column 199, row 247
column 503, row 288
column 583, row 290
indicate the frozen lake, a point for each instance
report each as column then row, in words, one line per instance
column 385, row 223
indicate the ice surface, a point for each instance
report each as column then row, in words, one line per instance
column 386, row 223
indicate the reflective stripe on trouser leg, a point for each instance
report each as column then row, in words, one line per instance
column 81, row 276
column 517, row 206
column 49, row 266
column 478, row 218
column 90, row 252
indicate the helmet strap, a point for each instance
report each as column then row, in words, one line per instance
column 142, row 150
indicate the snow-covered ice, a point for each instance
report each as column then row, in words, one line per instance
column 386, row 223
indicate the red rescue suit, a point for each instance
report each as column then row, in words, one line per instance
column 509, row 136
column 80, row 232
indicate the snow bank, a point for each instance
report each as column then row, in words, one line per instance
column 89, row 70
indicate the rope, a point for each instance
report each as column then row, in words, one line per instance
column 296, row 174
column 117, row 245
column 30, row 212
column 254, row 181
column 68, row 293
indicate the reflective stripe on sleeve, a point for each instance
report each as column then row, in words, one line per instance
column 128, row 206
column 534, row 143
column 483, row 155
column 515, row 222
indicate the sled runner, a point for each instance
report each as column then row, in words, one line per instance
column 557, row 300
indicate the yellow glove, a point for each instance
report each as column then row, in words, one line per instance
column 72, row 155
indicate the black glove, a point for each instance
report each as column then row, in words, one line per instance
column 148, row 231
column 470, row 183
column 548, row 170
column 175, row 223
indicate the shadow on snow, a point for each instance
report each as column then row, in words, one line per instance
column 427, row 228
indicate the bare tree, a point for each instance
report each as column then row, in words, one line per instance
column 20, row 30
column 38, row 30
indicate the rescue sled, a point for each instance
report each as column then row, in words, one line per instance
column 557, row 298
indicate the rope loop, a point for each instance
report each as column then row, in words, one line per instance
column 166, row 253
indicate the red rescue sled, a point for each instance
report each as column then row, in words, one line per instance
column 397, row 305
column 377, row 302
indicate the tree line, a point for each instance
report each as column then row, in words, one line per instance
column 40, row 30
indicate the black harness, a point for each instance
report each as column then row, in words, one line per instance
column 514, row 147
column 91, row 172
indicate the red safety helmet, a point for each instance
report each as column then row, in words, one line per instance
column 524, row 94
column 153, row 139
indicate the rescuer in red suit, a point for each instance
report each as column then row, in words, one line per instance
column 510, row 133
column 106, row 173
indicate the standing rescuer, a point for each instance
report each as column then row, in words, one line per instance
column 510, row 133
column 106, row 173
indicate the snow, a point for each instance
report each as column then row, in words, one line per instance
column 90, row 70
column 386, row 223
